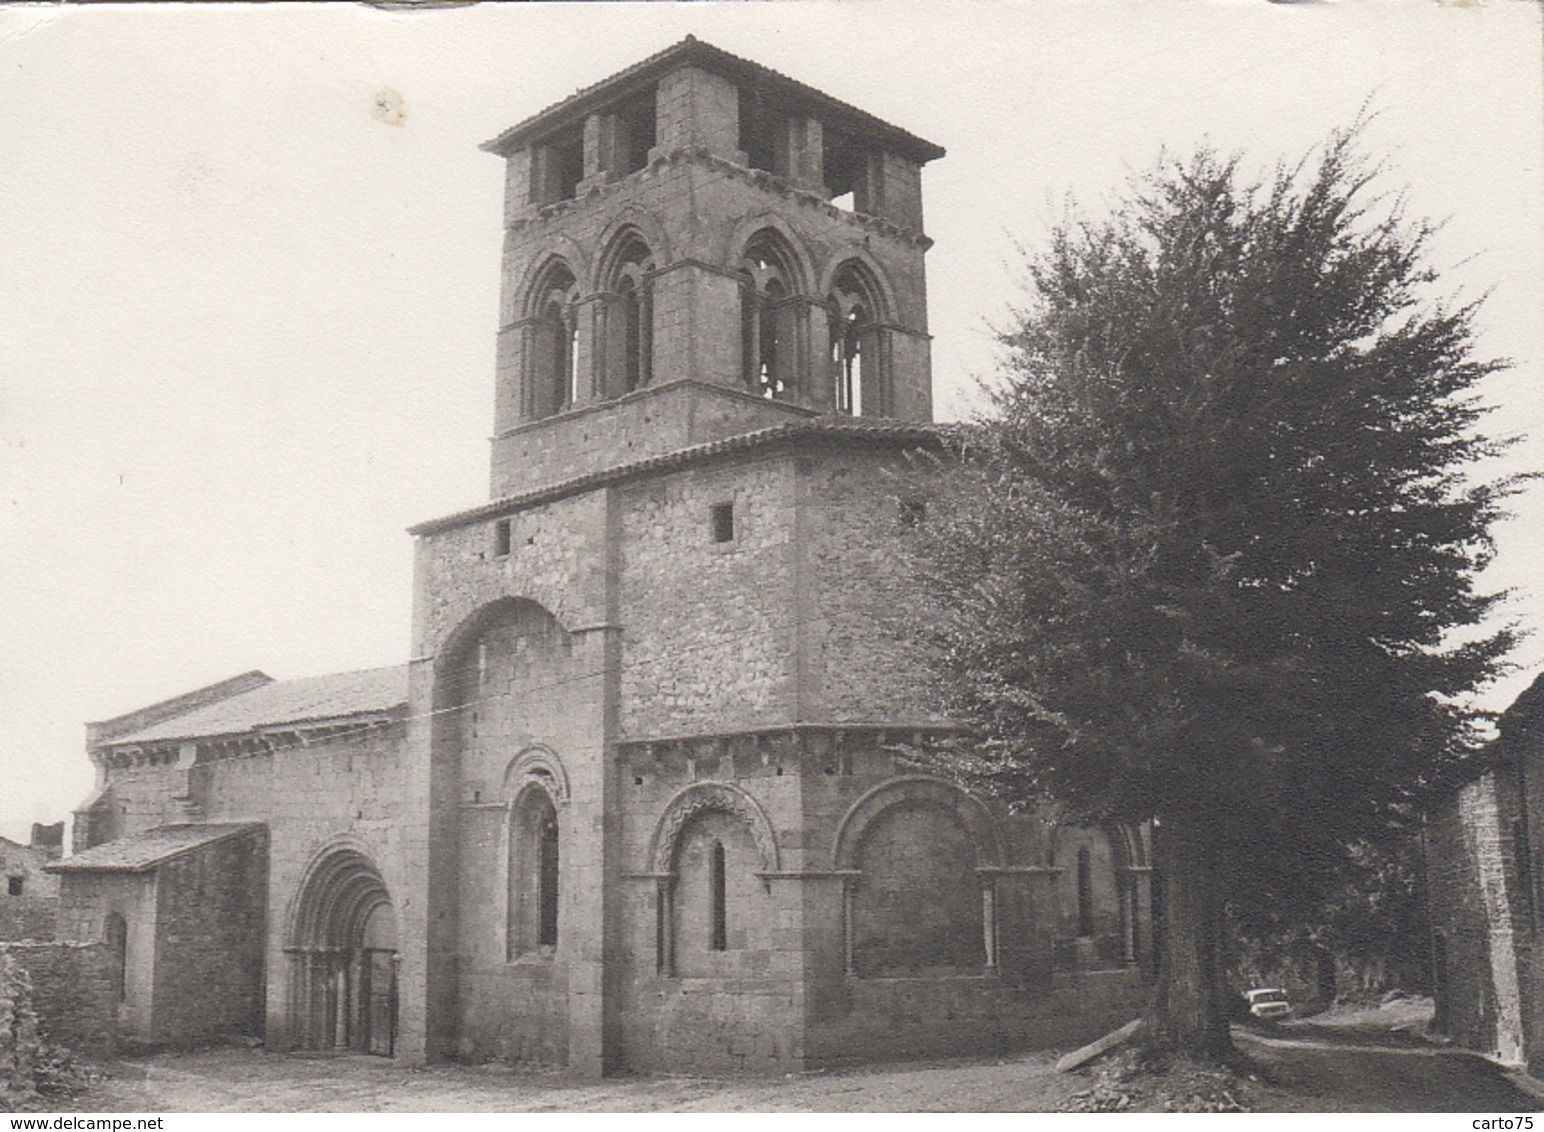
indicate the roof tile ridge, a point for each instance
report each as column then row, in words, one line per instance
column 400, row 665
column 620, row 76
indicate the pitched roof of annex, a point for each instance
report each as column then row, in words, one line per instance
column 311, row 700
column 141, row 852
column 693, row 52
column 890, row 433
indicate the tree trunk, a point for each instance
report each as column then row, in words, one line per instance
column 1188, row 1012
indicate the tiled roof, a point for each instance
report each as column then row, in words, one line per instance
column 140, row 852
column 693, row 51
column 312, row 699
column 880, row 431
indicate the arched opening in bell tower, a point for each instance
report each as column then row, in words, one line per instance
column 553, row 372
column 769, row 311
column 628, row 328
column 854, row 309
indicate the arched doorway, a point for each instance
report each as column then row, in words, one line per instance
column 343, row 958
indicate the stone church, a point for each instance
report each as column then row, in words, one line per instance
column 639, row 799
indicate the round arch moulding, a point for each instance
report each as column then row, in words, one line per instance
column 632, row 224
column 785, row 241
column 536, row 766
column 854, row 255
column 339, row 888
column 918, row 789
column 710, row 797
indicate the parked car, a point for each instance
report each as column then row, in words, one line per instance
column 1269, row 1003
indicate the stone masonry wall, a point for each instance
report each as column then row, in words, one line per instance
column 210, row 938
column 143, row 796
column 709, row 639
column 737, row 1010
column 555, row 560
column 86, row 900
column 779, row 998
column 1527, row 755
column 481, row 1004
column 73, row 993
column 863, row 659
column 636, row 426
column 803, row 616
column 346, row 792
column 912, row 1019
column 512, row 679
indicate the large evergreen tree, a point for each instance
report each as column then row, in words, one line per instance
column 1211, row 559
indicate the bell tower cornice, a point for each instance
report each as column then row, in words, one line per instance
column 702, row 223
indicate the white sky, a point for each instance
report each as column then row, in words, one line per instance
column 246, row 329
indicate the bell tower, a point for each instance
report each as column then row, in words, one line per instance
column 709, row 272
column 700, row 247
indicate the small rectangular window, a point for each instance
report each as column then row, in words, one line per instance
column 501, row 538
column 913, row 511
column 723, row 522
column 14, row 885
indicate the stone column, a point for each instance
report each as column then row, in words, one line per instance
column 798, row 154
column 697, row 325
column 700, row 110
column 517, row 186
column 605, row 151
column 891, row 187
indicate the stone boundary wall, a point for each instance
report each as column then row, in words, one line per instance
column 29, row 918
column 916, row 1019
column 72, row 992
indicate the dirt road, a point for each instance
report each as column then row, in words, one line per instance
column 1378, row 1061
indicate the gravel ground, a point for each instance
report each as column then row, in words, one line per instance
column 1347, row 1061
column 229, row 1080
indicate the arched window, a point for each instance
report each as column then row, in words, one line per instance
column 547, row 880
column 847, row 360
column 769, row 323
column 635, row 374
column 712, row 850
column 562, row 332
column 532, row 897
column 115, row 934
column 1097, row 917
column 715, row 905
column 629, row 313
column 717, row 896
column 1085, row 893
column 553, row 360
column 854, row 315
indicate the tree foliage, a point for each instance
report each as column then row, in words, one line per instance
column 1212, row 555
